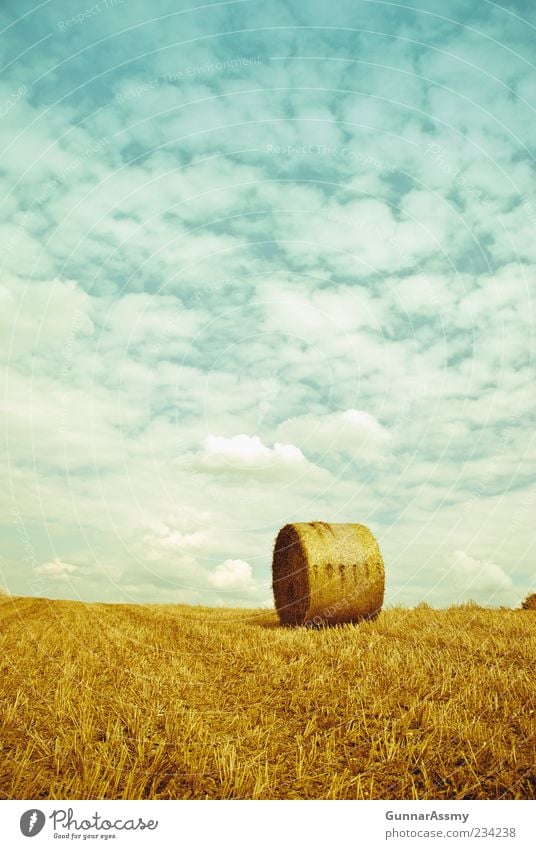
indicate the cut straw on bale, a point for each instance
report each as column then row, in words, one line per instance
column 327, row 574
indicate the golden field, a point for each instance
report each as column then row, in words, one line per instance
column 129, row 702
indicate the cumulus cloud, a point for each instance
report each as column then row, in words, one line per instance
column 479, row 580
column 232, row 575
column 354, row 432
column 177, row 540
column 243, row 452
column 56, row 569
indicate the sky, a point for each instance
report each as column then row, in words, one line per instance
column 265, row 262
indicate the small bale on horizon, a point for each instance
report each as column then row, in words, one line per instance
column 529, row 603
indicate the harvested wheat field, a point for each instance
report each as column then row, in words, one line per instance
column 126, row 702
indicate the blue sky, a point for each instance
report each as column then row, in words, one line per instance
column 266, row 262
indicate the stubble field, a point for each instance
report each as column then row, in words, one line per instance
column 129, row 702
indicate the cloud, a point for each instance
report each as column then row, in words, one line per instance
column 353, row 432
column 243, row 453
column 479, row 580
column 232, row 575
column 56, row 569
column 177, row 540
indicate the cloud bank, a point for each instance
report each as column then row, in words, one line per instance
column 263, row 264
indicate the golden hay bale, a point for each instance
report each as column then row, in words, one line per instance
column 327, row 574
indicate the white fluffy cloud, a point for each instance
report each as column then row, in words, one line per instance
column 232, row 575
column 479, row 580
column 180, row 541
column 56, row 569
column 247, row 452
column 353, row 432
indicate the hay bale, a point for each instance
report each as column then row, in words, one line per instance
column 530, row 602
column 327, row 574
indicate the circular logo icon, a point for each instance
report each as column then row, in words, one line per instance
column 32, row 822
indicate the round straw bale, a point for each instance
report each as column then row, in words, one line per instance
column 327, row 573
